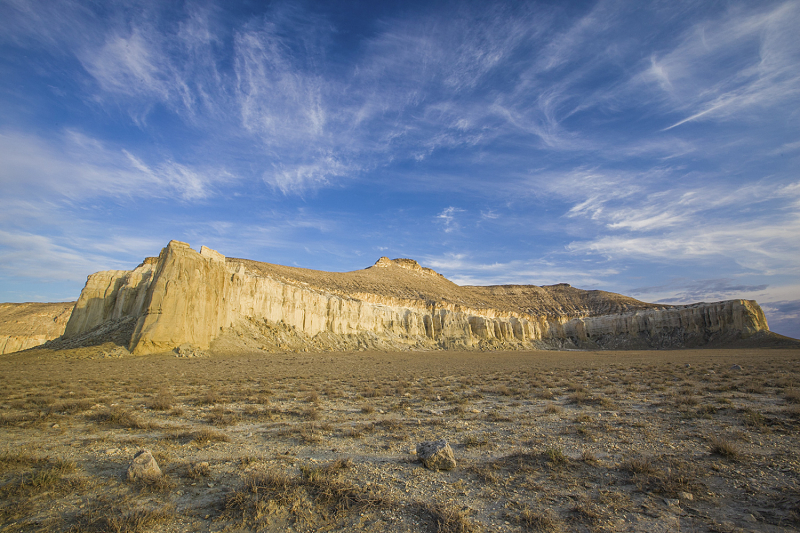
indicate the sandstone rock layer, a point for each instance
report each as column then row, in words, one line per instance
column 203, row 298
column 28, row 325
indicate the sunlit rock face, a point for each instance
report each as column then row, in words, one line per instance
column 28, row 325
column 203, row 298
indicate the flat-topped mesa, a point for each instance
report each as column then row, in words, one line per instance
column 203, row 298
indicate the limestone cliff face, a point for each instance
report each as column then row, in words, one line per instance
column 686, row 326
column 111, row 295
column 28, row 325
column 200, row 298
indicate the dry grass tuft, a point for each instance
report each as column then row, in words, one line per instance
column 16, row 418
column 46, row 476
column 641, row 466
column 219, row 416
column 587, row 511
column 661, row 476
column 475, row 441
column 162, row 401
column 555, row 456
column 588, row 457
column 543, row 521
column 13, row 460
column 448, row 519
column 207, row 436
column 792, row 396
column 753, row 419
column 121, row 417
column 198, row 470
column 102, row 515
column 552, row 408
column 312, row 413
column 317, row 493
column 724, row 447
column 209, row 398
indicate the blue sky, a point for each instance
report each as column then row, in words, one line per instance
column 646, row 148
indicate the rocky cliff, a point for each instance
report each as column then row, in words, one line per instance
column 203, row 298
column 26, row 325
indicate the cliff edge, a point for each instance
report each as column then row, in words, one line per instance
column 205, row 299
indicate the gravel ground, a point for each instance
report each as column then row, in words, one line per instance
column 544, row 441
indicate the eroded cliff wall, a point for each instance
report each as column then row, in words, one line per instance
column 27, row 325
column 186, row 297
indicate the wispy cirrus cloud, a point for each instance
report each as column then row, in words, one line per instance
column 78, row 167
column 693, row 80
column 684, row 290
column 755, row 246
column 68, row 256
column 463, row 269
column 448, row 218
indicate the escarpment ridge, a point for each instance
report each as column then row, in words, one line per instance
column 206, row 300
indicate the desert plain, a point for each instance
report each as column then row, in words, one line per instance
column 639, row 441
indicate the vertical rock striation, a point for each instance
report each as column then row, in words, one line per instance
column 186, row 297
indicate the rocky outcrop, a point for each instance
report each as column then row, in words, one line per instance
column 194, row 298
column 685, row 326
column 144, row 468
column 111, row 295
column 28, row 325
column 436, row 455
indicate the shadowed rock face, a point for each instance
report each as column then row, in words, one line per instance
column 205, row 298
column 27, row 325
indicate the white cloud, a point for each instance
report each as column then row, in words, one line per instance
column 714, row 74
column 461, row 269
column 299, row 177
column 78, row 167
column 448, row 218
column 759, row 246
column 279, row 100
column 130, row 65
column 24, row 254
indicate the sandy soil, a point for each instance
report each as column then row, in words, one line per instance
column 544, row 441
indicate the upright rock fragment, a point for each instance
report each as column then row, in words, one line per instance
column 436, row 455
column 144, row 467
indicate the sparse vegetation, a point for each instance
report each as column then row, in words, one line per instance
column 121, row 417
column 543, row 521
column 724, row 447
column 206, row 436
column 448, row 519
column 162, row 401
column 624, row 433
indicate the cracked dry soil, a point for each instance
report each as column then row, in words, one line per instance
column 545, row 441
